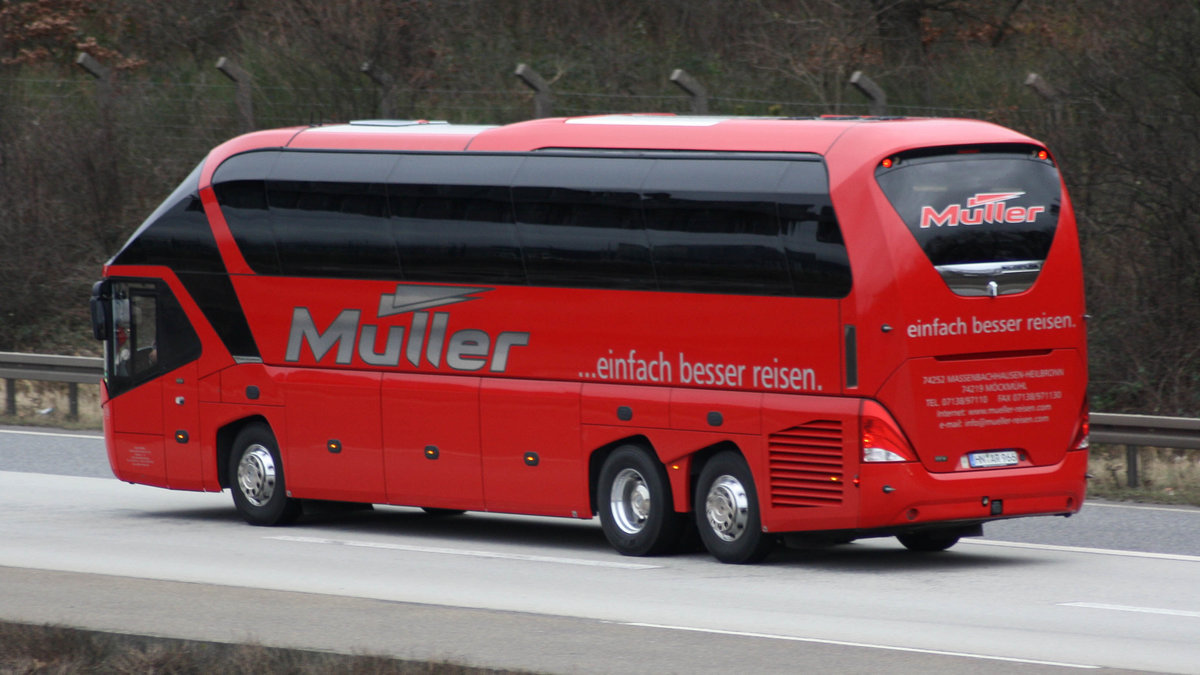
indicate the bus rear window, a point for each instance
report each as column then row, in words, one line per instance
column 985, row 218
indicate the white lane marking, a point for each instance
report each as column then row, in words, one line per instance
column 1082, row 549
column 469, row 553
column 1130, row 608
column 1141, row 507
column 48, row 433
column 867, row 645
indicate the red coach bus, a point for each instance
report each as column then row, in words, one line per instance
column 762, row 329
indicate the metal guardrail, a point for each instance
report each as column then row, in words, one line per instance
column 75, row 370
column 1135, row 431
column 1145, row 430
column 1111, row 428
column 78, row 369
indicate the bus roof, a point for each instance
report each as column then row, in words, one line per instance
column 857, row 136
column 650, row 132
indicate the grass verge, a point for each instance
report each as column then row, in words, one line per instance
column 27, row 649
column 1164, row 475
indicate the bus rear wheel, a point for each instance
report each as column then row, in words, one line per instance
column 727, row 512
column 256, row 479
column 636, row 509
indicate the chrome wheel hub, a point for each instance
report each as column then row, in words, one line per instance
column 727, row 508
column 256, row 475
column 629, row 501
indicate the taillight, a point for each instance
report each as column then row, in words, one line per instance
column 1082, row 431
column 880, row 438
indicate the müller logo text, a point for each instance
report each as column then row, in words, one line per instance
column 430, row 340
column 985, row 207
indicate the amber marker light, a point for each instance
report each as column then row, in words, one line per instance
column 887, row 163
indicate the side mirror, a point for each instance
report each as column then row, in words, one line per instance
column 101, row 310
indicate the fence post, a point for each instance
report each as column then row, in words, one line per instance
column 543, row 101
column 1131, row 466
column 874, row 93
column 693, row 88
column 1043, row 88
column 386, row 84
column 244, row 82
column 103, row 75
column 1047, row 94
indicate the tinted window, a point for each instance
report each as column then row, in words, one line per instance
column 177, row 235
column 150, row 335
column 661, row 221
column 580, row 222
column 809, row 233
column 452, row 218
column 244, row 205
column 713, row 226
column 319, row 166
column 332, row 229
column 973, row 212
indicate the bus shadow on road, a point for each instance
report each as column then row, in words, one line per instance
column 877, row 557
column 569, row 535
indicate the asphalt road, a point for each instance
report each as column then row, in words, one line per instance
column 1115, row 586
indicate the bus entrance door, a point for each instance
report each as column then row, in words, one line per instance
column 181, row 428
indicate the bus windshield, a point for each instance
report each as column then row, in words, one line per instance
column 984, row 219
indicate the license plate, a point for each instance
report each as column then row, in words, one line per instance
column 987, row 460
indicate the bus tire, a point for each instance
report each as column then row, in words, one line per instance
column 256, row 479
column 636, row 509
column 727, row 511
column 929, row 541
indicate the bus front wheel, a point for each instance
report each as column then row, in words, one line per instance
column 256, row 479
column 636, row 510
column 727, row 512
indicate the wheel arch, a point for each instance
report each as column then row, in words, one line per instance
column 600, row 454
column 225, row 437
column 728, row 505
column 683, row 484
column 701, row 457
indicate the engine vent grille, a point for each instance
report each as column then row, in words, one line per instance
column 806, row 465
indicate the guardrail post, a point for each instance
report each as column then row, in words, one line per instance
column 543, row 101
column 872, row 91
column 10, row 391
column 1131, row 466
column 73, row 396
column 244, row 82
column 693, row 88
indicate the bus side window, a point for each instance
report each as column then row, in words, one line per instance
column 135, row 327
column 580, row 222
column 452, row 219
column 121, row 351
column 144, row 339
column 810, row 234
column 150, row 335
column 713, row 226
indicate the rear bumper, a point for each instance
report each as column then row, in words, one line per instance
column 904, row 495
